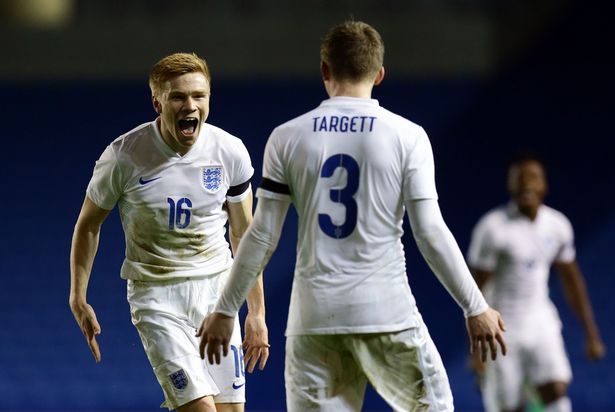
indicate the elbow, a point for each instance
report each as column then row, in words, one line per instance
column 267, row 240
column 428, row 235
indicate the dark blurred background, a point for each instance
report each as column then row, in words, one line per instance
column 484, row 78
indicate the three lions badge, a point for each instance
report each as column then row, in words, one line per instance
column 212, row 178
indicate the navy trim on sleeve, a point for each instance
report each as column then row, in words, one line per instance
column 275, row 187
column 239, row 189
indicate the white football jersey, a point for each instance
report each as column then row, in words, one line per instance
column 520, row 252
column 348, row 166
column 171, row 206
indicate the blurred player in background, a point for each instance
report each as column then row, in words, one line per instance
column 351, row 168
column 176, row 180
column 511, row 252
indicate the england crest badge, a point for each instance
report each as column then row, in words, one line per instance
column 179, row 379
column 212, row 178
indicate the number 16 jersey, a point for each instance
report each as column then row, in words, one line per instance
column 172, row 206
column 348, row 166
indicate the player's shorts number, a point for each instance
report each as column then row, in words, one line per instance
column 238, row 355
column 343, row 196
column 179, row 213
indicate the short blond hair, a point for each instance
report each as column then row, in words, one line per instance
column 174, row 65
column 353, row 50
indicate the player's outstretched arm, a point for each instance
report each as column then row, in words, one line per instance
column 255, row 250
column 83, row 249
column 440, row 250
column 576, row 294
column 256, row 342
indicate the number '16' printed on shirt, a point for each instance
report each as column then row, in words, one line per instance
column 179, row 213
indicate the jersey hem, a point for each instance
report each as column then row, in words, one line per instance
column 175, row 277
column 350, row 330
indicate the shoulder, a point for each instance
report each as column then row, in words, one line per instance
column 299, row 123
column 411, row 135
column 554, row 214
column 400, row 121
column 138, row 133
column 221, row 136
column 493, row 219
column 229, row 146
column 557, row 220
column 130, row 139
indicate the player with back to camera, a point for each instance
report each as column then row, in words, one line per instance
column 511, row 252
column 351, row 167
column 176, row 180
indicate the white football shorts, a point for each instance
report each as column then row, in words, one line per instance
column 534, row 358
column 330, row 372
column 167, row 315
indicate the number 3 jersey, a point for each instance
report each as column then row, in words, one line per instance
column 348, row 166
column 171, row 206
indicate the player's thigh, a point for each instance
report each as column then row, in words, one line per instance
column 405, row 368
column 548, row 359
column 229, row 375
column 321, row 375
column 169, row 343
column 503, row 380
column 230, row 407
column 205, row 404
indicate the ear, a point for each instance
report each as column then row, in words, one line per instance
column 379, row 76
column 157, row 105
column 325, row 71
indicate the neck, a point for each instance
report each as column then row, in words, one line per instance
column 337, row 89
column 168, row 139
column 530, row 212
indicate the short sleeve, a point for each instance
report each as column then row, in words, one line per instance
column 243, row 192
column 275, row 184
column 482, row 253
column 419, row 170
column 105, row 187
column 242, row 169
column 567, row 251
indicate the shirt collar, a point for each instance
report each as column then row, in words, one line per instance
column 346, row 100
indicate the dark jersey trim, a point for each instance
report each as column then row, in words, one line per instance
column 275, row 187
column 239, row 189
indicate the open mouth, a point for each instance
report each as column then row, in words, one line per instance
column 188, row 125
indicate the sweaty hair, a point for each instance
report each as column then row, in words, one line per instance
column 353, row 50
column 175, row 65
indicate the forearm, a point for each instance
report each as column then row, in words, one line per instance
column 441, row 252
column 250, row 259
column 253, row 253
column 576, row 294
column 83, row 250
column 255, row 297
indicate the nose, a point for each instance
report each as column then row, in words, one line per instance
column 190, row 104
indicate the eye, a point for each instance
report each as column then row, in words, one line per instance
column 177, row 97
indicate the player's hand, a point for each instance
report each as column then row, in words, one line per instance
column 86, row 319
column 256, row 342
column 594, row 348
column 215, row 332
column 485, row 332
